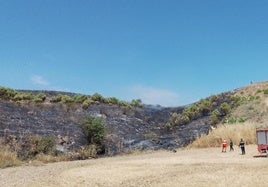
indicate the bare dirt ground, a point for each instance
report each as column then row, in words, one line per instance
column 188, row 167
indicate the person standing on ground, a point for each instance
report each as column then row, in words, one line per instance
column 224, row 145
column 242, row 146
column 231, row 145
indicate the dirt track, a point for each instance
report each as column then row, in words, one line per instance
column 195, row 167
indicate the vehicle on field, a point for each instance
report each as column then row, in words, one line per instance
column 262, row 140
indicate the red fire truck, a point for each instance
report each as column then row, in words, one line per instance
column 262, row 140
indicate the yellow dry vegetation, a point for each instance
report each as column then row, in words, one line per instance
column 246, row 130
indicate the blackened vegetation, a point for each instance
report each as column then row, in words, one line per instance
column 128, row 126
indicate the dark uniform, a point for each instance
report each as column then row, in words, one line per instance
column 231, row 145
column 242, row 146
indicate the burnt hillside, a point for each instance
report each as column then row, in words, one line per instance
column 128, row 127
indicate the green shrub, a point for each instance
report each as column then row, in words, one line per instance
column 61, row 98
column 168, row 126
column 80, row 98
column 43, row 144
column 56, row 99
column 174, row 118
column 66, row 99
column 30, row 146
column 94, row 129
column 241, row 120
column 183, row 119
column 236, row 100
column 214, row 117
column 192, row 112
column 232, row 120
column 213, row 98
column 39, row 98
column 7, row 93
column 97, row 97
column 20, row 96
column 251, row 98
column 265, row 91
column 225, row 108
column 204, row 106
column 86, row 103
column 113, row 100
column 123, row 103
column 136, row 103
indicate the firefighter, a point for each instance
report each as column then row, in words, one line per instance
column 231, row 145
column 224, row 145
column 242, row 146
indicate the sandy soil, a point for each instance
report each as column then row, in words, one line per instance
column 192, row 167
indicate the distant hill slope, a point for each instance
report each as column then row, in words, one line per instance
column 254, row 106
column 129, row 127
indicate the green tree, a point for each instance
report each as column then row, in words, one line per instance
column 94, row 129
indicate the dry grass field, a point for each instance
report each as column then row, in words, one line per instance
column 187, row 167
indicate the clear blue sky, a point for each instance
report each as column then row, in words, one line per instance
column 168, row 52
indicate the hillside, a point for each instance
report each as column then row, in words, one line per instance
column 129, row 126
column 254, row 106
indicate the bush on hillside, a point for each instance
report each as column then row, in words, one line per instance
column 56, row 99
column 113, row 100
column 205, row 106
column 97, row 97
column 214, row 117
column 94, row 129
column 66, row 99
column 31, row 146
column 136, row 103
column 192, row 112
column 22, row 96
column 225, row 109
column 78, row 98
column 39, row 98
column 7, row 93
column 28, row 146
column 87, row 102
column 265, row 91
